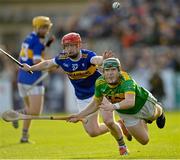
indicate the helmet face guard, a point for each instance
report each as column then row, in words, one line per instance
column 41, row 21
column 111, row 62
column 111, row 70
column 71, row 38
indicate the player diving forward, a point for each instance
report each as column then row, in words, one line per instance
column 81, row 67
column 136, row 106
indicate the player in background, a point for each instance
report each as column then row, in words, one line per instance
column 32, row 52
column 81, row 67
column 135, row 105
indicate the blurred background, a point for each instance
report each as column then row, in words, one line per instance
column 144, row 35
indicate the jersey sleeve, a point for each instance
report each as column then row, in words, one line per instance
column 55, row 60
column 129, row 87
column 91, row 55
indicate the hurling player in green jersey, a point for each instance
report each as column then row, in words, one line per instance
column 134, row 104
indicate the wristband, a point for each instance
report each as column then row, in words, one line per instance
column 116, row 107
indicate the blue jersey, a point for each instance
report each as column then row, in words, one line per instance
column 31, row 49
column 82, row 73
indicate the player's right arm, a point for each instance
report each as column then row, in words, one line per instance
column 92, row 107
column 44, row 65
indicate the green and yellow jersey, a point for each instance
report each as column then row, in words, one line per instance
column 116, row 93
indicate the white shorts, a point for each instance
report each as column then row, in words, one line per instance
column 24, row 90
column 82, row 103
column 146, row 112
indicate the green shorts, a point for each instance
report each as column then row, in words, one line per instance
column 146, row 112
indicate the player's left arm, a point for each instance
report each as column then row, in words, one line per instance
column 98, row 60
column 129, row 88
column 129, row 97
column 127, row 103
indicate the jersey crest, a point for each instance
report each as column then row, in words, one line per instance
column 74, row 66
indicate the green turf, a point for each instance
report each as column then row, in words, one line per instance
column 62, row 140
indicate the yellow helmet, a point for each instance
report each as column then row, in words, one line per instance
column 39, row 21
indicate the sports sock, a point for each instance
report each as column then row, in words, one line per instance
column 25, row 132
column 120, row 142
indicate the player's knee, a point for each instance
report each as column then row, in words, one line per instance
column 145, row 141
column 93, row 133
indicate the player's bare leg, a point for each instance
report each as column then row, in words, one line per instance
column 140, row 132
column 15, row 123
column 93, row 127
column 25, row 135
column 114, row 128
column 108, row 119
column 34, row 106
column 120, row 122
column 125, row 130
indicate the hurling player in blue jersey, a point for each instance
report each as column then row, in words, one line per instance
column 81, row 67
column 32, row 52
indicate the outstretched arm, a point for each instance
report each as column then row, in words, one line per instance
column 98, row 60
column 44, row 65
column 92, row 107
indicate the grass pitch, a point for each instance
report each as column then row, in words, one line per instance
column 62, row 140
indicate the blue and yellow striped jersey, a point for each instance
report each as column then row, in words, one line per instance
column 82, row 73
column 31, row 49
